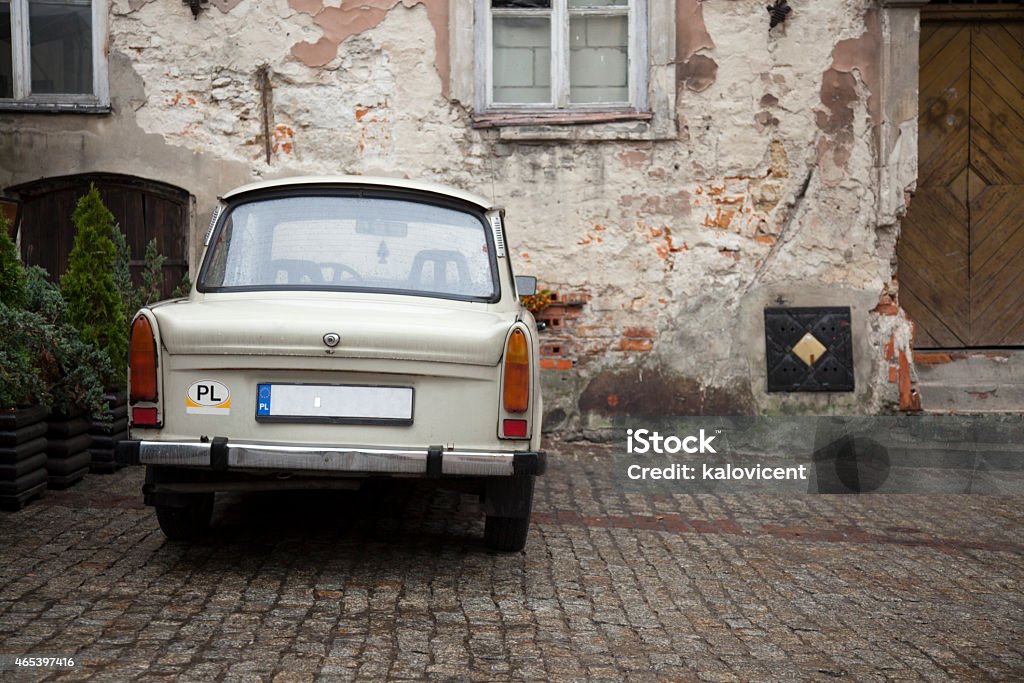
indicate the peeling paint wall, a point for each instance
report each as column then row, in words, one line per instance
column 784, row 185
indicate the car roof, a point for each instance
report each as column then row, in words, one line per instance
column 362, row 180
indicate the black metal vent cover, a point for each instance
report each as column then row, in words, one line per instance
column 830, row 326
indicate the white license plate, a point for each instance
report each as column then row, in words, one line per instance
column 351, row 404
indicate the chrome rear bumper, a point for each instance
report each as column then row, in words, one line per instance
column 221, row 455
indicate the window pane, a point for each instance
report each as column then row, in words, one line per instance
column 598, row 59
column 597, row 3
column 522, row 60
column 6, row 65
column 61, row 33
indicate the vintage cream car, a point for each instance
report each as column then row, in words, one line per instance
column 341, row 328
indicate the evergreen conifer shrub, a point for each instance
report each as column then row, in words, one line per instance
column 95, row 306
column 152, row 275
column 12, row 276
column 123, row 277
column 43, row 360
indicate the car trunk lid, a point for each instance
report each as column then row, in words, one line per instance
column 428, row 330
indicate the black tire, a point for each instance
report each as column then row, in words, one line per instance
column 506, row 534
column 186, row 523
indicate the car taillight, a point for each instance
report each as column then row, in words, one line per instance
column 145, row 417
column 142, row 361
column 516, row 392
column 514, row 428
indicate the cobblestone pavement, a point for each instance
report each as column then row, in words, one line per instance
column 613, row 586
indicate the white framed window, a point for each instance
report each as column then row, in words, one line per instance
column 562, row 55
column 52, row 55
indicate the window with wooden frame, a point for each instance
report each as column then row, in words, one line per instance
column 562, row 55
column 51, row 55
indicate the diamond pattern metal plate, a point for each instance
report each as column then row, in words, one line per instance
column 809, row 349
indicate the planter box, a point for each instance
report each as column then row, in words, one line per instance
column 67, row 450
column 106, row 436
column 22, row 456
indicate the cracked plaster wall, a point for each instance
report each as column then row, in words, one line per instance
column 771, row 193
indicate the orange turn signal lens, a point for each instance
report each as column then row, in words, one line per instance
column 516, row 392
column 142, row 361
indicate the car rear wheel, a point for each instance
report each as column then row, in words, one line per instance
column 506, row 534
column 508, row 503
column 188, row 522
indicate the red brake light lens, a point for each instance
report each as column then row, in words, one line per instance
column 144, row 417
column 514, row 428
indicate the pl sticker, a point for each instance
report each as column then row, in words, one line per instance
column 208, row 397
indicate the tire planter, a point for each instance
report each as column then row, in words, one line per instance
column 22, row 456
column 67, row 450
column 106, row 436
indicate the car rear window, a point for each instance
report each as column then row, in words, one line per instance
column 351, row 243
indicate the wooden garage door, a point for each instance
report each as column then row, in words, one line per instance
column 143, row 209
column 961, row 252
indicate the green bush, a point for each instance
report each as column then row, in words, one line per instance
column 12, row 276
column 183, row 289
column 123, row 276
column 84, row 371
column 43, row 297
column 152, row 275
column 43, row 360
column 94, row 303
column 151, row 289
column 22, row 343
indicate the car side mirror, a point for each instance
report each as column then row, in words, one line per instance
column 526, row 285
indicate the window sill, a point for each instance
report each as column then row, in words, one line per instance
column 583, row 126
column 556, row 119
column 54, row 107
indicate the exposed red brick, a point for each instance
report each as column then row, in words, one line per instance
column 889, row 352
column 909, row 398
column 923, row 358
column 635, row 345
column 642, row 332
column 555, row 364
column 892, row 374
column 886, row 309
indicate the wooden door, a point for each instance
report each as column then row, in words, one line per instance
column 961, row 251
column 144, row 210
